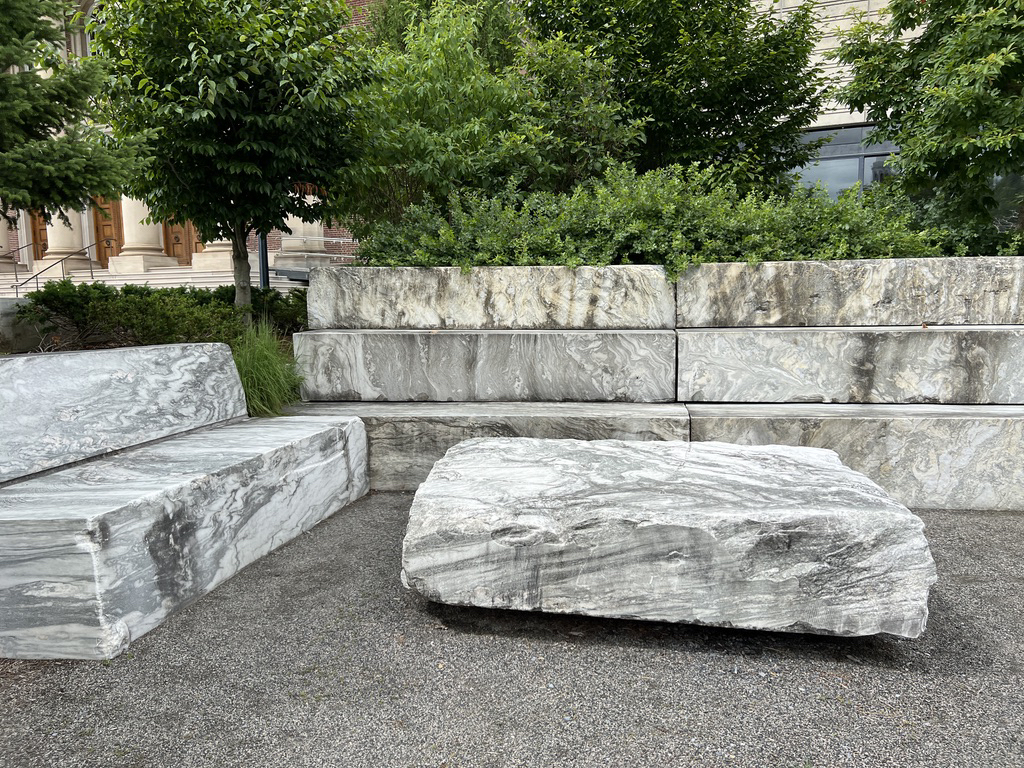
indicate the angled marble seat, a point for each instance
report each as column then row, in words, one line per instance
column 770, row 537
column 95, row 554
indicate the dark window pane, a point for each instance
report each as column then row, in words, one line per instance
column 836, row 174
column 876, row 168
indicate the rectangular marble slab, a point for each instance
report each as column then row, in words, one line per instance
column 406, row 439
column 402, row 366
column 967, row 365
column 925, row 456
column 942, row 291
column 773, row 538
column 96, row 555
column 616, row 297
column 62, row 407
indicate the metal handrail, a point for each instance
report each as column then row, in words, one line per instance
column 16, row 261
column 63, row 272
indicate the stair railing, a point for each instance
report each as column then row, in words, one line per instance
column 63, row 271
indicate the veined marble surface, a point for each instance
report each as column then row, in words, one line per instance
column 491, row 298
column 944, row 291
column 775, row 538
column 630, row 366
column 968, row 365
column 96, row 555
column 926, row 456
column 407, row 438
column 62, row 407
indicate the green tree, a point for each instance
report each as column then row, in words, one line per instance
column 245, row 107
column 944, row 79
column 721, row 81
column 440, row 117
column 54, row 154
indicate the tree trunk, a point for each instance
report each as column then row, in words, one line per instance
column 240, row 265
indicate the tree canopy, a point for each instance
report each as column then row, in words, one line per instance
column 54, row 153
column 721, row 81
column 439, row 116
column 245, row 108
column 945, row 81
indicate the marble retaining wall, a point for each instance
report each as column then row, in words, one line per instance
column 629, row 366
column 954, row 365
column 406, row 439
column 62, row 407
column 967, row 291
column 96, row 555
column 926, row 457
column 587, row 298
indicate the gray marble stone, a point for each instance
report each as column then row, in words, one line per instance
column 774, row 538
column 407, row 438
column 629, row 366
column 62, row 407
column 938, row 364
column 618, row 297
column 96, row 555
column 926, row 456
column 945, row 291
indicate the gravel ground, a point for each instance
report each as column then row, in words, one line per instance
column 316, row 656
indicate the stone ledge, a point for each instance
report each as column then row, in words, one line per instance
column 941, row 291
column 925, row 456
column 409, row 366
column 591, row 298
column 966, row 365
column 96, row 555
column 406, row 439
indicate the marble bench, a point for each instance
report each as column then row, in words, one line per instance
column 132, row 483
column 771, row 537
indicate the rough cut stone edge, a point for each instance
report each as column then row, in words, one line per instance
column 62, row 407
column 940, row 291
column 491, row 298
column 925, row 456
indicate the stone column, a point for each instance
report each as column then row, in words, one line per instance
column 215, row 257
column 305, row 245
column 64, row 241
column 143, row 247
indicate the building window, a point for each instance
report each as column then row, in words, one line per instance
column 845, row 160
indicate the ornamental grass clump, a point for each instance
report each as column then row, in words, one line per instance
column 267, row 370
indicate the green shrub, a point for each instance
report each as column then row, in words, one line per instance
column 267, row 370
column 674, row 217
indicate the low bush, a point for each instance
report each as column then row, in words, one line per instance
column 267, row 370
column 675, row 217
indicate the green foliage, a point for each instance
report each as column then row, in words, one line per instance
column 54, row 155
column 245, row 108
column 284, row 312
column 441, row 116
column 675, row 217
column 944, row 81
column 267, row 370
column 722, row 81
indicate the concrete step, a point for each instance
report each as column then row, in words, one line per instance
column 409, row 366
column 969, row 365
column 405, row 439
column 161, row 277
column 925, row 456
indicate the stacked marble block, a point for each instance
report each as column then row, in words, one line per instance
column 430, row 357
column 132, row 483
column 912, row 370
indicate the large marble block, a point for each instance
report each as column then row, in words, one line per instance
column 774, row 538
column 926, row 456
column 491, row 298
column 630, row 366
column 943, row 291
column 96, row 555
column 938, row 364
column 63, row 407
column 406, row 439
